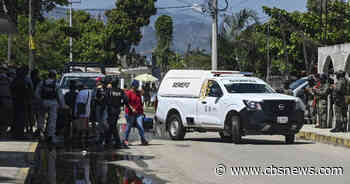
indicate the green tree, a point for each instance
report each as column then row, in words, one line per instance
column 21, row 7
column 123, row 29
column 164, row 32
column 236, row 48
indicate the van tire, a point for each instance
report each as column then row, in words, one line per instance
column 176, row 129
column 236, row 129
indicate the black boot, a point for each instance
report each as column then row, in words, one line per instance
column 144, row 142
column 334, row 130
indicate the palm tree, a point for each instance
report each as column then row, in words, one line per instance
column 235, row 34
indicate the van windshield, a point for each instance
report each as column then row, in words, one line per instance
column 248, row 88
column 90, row 82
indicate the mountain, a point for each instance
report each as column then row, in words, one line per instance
column 189, row 27
column 194, row 30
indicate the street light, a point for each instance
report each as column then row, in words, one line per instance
column 70, row 25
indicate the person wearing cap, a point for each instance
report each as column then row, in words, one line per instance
column 339, row 92
column 48, row 93
column 115, row 99
column 134, row 112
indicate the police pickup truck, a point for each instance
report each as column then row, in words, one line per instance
column 227, row 102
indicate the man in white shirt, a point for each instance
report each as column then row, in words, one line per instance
column 83, row 108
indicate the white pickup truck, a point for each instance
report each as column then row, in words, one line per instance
column 227, row 102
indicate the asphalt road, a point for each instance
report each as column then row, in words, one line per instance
column 195, row 160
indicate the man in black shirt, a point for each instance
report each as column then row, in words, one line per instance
column 115, row 99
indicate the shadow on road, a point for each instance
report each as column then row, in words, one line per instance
column 272, row 142
column 6, row 180
column 249, row 141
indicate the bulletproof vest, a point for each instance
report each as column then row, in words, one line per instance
column 70, row 98
column 114, row 97
column 48, row 91
column 100, row 96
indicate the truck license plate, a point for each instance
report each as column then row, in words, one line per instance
column 282, row 119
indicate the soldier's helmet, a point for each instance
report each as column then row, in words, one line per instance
column 52, row 73
column 324, row 77
column 340, row 74
column 115, row 83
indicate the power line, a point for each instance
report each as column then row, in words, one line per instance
column 174, row 7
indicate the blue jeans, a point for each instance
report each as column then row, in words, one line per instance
column 139, row 125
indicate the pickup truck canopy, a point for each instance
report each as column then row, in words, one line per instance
column 183, row 83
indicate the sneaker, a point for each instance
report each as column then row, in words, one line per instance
column 144, row 143
column 334, row 130
column 126, row 143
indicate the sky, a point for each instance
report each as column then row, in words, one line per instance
column 235, row 5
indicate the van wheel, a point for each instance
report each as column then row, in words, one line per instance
column 176, row 129
column 236, row 129
column 290, row 138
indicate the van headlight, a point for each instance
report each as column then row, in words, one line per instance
column 253, row 105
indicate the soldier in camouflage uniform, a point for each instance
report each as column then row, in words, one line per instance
column 311, row 110
column 339, row 92
column 321, row 96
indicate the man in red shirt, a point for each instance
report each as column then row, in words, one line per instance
column 134, row 112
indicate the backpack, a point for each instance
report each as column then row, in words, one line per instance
column 48, row 91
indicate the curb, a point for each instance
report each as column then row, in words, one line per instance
column 23, row 172
column 338, row 141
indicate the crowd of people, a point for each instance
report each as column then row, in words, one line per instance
column 325, row 99
column 31, row 106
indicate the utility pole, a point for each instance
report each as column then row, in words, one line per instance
column 71, row 25
column 30, row 63
column 70, row 37
column 214, row 48
column 268, row 54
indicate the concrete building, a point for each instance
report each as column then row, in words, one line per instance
column 336, row 57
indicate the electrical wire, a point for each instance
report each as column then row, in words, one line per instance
column 173, row 7
column 224, row 9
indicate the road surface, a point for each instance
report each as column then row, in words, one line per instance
column 200, row 158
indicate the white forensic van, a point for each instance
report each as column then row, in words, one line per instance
column 227, row 102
